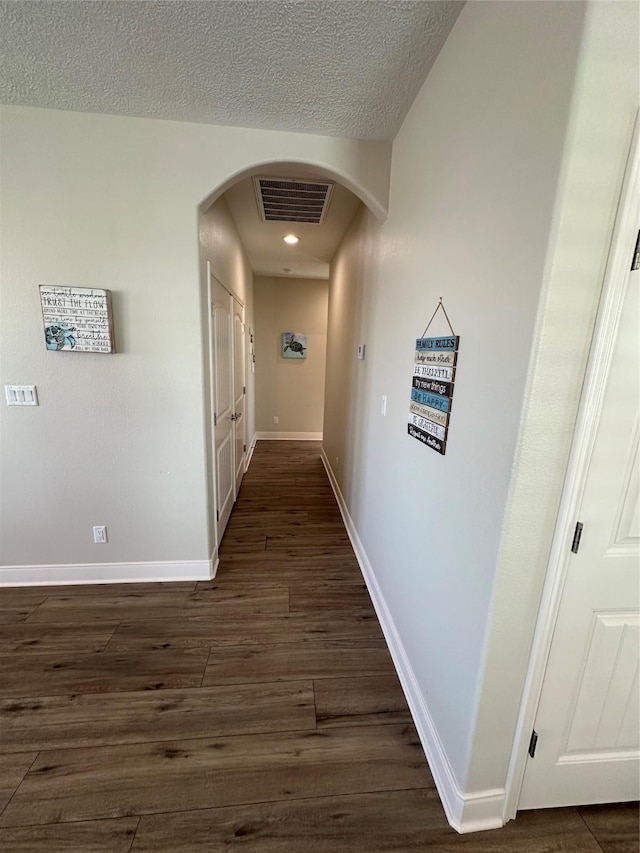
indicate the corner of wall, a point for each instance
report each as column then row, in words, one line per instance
column 465, row 812
column 604, row 105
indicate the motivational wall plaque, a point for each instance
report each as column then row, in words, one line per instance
column 77, row 319
column 434, row 374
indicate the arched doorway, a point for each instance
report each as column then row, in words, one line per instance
column 241, row 243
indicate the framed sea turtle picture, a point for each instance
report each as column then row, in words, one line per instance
column 294, row 345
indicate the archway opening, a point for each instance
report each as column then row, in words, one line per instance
column 282, row 292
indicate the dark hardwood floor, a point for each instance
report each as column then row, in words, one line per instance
column 256, row 712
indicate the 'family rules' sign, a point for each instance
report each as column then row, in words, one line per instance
column 434, row 374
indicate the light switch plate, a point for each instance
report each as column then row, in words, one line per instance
column 361, row 351
column 21, row 395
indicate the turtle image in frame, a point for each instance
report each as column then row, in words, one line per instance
column 295, row 346
column 60, row 336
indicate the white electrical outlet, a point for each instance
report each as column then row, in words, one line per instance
column 383, row 406
column 276, row 419
column 100, row 534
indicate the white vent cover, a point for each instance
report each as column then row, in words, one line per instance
column 291, row 200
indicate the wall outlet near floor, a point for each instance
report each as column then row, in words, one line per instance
column 276, row 419
column 100, row 534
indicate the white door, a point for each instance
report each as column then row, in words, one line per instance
column 238, row 393
column 223, row 404
column 587, row 721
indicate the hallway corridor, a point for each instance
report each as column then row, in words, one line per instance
column 258, row 712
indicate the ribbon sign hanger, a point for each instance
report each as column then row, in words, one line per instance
column 439, row 306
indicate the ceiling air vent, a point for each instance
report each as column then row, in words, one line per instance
column 287, row 200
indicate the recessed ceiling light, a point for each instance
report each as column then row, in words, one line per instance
column 291, row 239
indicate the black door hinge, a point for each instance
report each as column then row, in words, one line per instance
column 533, row 743
column 244, row 389
column 577, row 535
column 217, row 515
column 635, row 262
column 215, row 420
column 244, row 448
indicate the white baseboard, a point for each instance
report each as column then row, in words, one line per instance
column 289, row 436
column 99, row 573
column 466, row 812
column 214, row 562
column 252, row 447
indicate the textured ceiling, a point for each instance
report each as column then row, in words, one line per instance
column 338, row 67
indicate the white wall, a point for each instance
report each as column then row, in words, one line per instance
column 112, row 202
column 290, row 389
column 348, row 402
column 475, row 195
column 604, row 108
column 222, row 255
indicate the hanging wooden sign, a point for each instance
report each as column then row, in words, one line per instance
column 446, row 344
column 428, row 426
column 430, row 440
column 444, row 359
column 434, row 373
column 430, row 414
column 433, row 400
column 445, row 389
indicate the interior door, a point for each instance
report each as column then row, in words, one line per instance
column 588, row 718
column 223, row 403
column 239, row 391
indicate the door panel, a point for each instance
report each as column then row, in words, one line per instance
column 588, row 717
column 602, row 702
column 223, row 404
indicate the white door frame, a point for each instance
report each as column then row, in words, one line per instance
column 212, row 397
column 244, row 393
column 611, row 302
column 211, row 273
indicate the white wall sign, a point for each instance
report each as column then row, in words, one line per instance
column 77, row 319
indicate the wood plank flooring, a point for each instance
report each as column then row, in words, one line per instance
column 258, row 712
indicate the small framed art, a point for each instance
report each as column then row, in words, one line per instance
column 294, row 345
column 77, row 319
